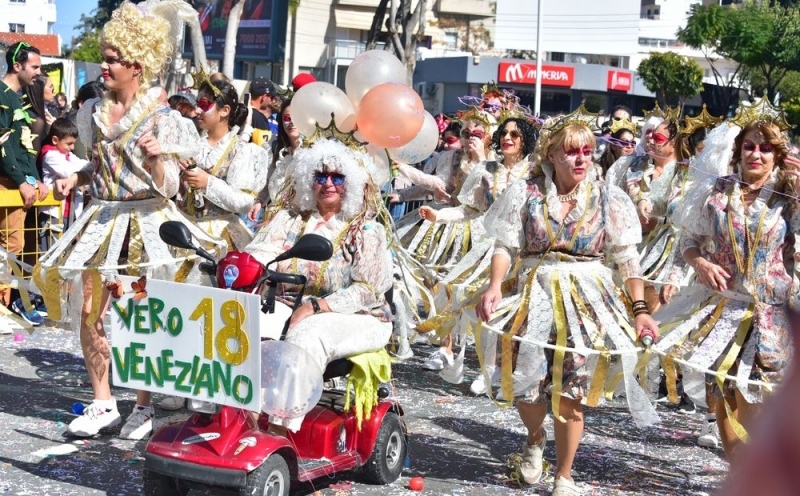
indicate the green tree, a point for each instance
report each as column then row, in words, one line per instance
column 764, row 39
column 87, row 48
column 672, row 77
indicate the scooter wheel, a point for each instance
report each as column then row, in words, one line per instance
column 386, row 462
column 156, row 484
column 269, row 479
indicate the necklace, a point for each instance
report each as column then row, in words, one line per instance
column 568, row 197
column 745, row 261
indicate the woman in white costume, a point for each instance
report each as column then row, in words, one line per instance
column 229, row 172
column 136, row 144
column 345, row 311
column 559, row 226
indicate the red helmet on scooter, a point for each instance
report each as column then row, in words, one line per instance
column 239, row 271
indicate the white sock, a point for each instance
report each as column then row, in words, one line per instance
column 143, row 407
column 109, row 404
column 711, row 417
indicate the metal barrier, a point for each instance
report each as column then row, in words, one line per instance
column 11, row 199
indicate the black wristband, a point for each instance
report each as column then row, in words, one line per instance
column 315, row 305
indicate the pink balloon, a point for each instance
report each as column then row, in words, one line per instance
column 390, row 115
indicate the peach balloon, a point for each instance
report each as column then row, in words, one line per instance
column 390, row 115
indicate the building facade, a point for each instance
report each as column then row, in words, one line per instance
column 31, row 21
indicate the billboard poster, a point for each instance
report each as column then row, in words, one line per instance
column 257, row 37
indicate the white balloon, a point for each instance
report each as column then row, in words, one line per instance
column 421, row 147
column 379, row 169
column 314, row 103
column 291, row 381
column 370, row 69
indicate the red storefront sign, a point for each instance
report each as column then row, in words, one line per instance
column 552, row 75
column 619, row 80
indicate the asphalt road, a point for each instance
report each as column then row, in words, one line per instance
column 458, row 443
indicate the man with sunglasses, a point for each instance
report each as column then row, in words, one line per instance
column 18, row 158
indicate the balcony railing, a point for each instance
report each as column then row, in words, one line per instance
column 348, row 49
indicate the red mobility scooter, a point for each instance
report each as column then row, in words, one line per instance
column 224, row 450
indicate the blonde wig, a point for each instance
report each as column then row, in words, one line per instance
column 331, row 155
column 140, row 37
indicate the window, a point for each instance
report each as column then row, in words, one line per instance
column 557, row 56
column 16, row 28
column 451, row 41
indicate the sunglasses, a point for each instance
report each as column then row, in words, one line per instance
column 474, row 134
column 660, row 139
column 321, row 178
column 21, row 45
column 586, row 151
column 513, row 133
column 287, row 118
column 451, row 140
column 764, row 147
column 626, row 143
column 205, row 104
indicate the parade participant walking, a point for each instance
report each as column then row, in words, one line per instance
column 136, row 143
column 513, row 142
column 345, row 311
column 229, row 172
column 738, row 236
column 620, row 144
column 289, row 140
column 560, row 227
column 438, row 246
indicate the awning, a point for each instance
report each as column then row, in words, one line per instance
column 354, row 18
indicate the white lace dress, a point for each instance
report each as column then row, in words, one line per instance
column 660, row 257
column 238, row 171
column 353, row 283
column 118, row 231
column 561, row 294
column 438, row 246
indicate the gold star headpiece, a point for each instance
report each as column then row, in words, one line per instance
column 331, row 131
column 617, row 124
column 200, row 77
column 761, row 111
column 580, row 116
column 672, row 114
column 478, row 115
column 491, row 88
column 704, row 119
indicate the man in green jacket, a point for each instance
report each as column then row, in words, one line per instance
column 17, row 157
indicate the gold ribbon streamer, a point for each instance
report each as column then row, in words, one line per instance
column 727, row 363
column 49, row 285
column 600, row 375
column 560, row 320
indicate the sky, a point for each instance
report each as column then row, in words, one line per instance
column 68, row 12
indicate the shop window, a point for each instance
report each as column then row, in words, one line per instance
column 557, row 56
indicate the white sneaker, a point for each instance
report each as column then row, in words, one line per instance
column 172, row 403
column 139, row 424
column 438, row 360
column 533, row 461
column 565, row 487
column 404, row 351
column 95, row 418
column 478, row 386
column 709, row 435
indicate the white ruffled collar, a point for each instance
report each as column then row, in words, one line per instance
column 139, row 107
column 554, row 204
column 760, row 202
column 516, row 171
column 210, row 155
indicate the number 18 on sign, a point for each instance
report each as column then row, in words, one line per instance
column 189, row 341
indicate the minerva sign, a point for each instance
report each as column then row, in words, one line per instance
column 552, row 75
